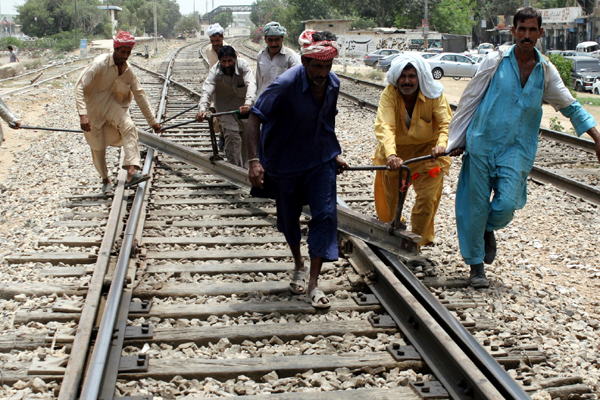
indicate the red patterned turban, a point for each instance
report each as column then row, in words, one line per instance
column 124, row 39
column 321, row 50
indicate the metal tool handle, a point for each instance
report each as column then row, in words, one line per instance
column 41, row 128
column 384, row 167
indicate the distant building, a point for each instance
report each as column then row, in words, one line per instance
column 113, row 13
column 9, row 28
column 336, row 26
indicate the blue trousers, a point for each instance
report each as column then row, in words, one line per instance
column 501, row 174
column 317, row 189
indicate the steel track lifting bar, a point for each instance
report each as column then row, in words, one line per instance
column 369, row 229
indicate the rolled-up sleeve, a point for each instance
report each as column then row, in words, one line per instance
column 581, row 119
column 385, row 123
column 442, row 114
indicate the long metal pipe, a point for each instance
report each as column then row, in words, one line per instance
column 97, row 365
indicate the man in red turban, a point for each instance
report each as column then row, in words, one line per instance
column 294, row 158
column 103, row 94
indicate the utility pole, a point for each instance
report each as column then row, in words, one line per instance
column 426, row 27
column 155, row 31
column 75, row 20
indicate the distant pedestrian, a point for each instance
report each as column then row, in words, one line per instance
column 13, row 55
column 103, row 94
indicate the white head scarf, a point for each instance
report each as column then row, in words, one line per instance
column 427, row 85
column 214, row 28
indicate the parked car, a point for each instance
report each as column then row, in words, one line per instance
column 485, row 48
column 596, row 86
column 386, row 62
column 476, row 57
column 584, row 73
column 373, row 58
column 573, row 53
column 452, row 64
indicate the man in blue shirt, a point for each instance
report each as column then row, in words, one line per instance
column 505, row 102
column 295, row 157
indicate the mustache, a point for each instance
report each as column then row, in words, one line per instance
column 526, row 41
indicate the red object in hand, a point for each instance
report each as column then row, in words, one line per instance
column 433, row 172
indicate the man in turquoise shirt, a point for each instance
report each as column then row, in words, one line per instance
column 502, row 139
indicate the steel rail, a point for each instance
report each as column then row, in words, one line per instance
column 28, row 87
column 368, row 229
column 97, row 365
column 457, row 372
column 571, row 186
column 484, row 361
column 74, row 371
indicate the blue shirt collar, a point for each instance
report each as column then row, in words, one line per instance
column 538, row 56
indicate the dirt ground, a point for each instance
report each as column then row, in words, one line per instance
column 454, row 89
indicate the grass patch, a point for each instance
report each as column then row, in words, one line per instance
column 589, row 101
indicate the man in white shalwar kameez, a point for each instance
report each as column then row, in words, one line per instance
column 103, row 94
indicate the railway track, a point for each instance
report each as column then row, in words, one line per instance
column 206, row 311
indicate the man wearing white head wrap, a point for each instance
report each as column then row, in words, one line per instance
column 412, row 121
column 275, row 59
column 215, row 33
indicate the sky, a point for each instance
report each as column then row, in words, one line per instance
column 9, row 6
column 185, row 6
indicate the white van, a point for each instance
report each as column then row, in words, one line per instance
column 588, row 47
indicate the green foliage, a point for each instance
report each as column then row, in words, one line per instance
column 555, row 125
column 452, row 16
column 49, row 17
column 564, row 67
column 361, row 22
column 188, row 23
column 224, row 18
column 137, row 16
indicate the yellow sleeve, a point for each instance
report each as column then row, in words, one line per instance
column 442, row 114
column 385, row 123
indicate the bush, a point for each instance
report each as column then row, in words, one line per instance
column 564, row 67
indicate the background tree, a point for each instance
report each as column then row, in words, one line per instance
column 187, row 23
column 89, row 19
column 224, row 18
column 452, row 16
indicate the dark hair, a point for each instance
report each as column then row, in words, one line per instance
column 10, row 48
column 217, row 34
column 226, row 51
column 525, row 13
column 323, row 35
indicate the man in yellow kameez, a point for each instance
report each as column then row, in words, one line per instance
column 412, row 121
column 103, row 94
